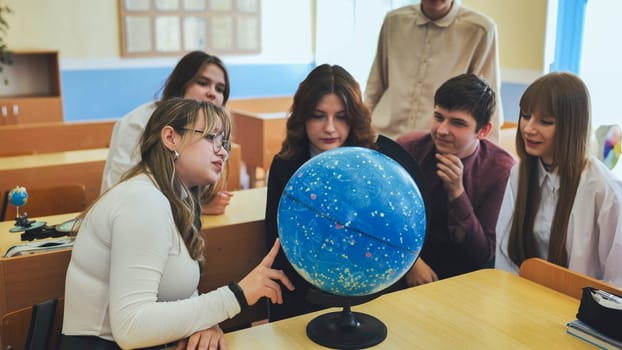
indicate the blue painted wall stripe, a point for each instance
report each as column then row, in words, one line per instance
column 111, row 93
column 93, row 94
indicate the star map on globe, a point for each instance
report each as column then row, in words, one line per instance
column 351, row 221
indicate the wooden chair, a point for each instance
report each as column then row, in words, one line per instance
column 35, row 327
column 47, row 201
column 562, row 279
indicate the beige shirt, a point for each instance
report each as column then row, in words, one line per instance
column 416, row 55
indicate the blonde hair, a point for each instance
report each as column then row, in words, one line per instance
column 564, row 96
column 159, row 162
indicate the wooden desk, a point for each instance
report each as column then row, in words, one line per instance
column 9, row 239
column 59, row 168
column 260, row 135
column 234, row 165
column 77, row 167
column 29, row 279
column 235, row 243
column 486, row 309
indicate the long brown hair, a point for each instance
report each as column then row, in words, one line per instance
column 159, row 162
column 564, row 96
column 323, row 80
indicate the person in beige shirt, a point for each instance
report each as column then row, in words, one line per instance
column 421, row 46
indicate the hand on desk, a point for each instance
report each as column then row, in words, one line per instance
column 217, row 203
column 263, row 280
column 420, row 273
column 211, row 338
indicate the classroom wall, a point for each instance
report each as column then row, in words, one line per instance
column 521, row 25
column 98, row 84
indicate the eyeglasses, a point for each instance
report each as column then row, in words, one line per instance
column 217, row 140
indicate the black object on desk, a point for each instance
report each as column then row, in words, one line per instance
column 33, row 229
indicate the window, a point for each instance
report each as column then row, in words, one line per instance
column 600, row 66
column 352, row 38
column 173, row 27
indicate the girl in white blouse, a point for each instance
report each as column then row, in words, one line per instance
column 560, row 203
column 135, row 266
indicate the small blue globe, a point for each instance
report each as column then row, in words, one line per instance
column 351, row 221
column 18, row 196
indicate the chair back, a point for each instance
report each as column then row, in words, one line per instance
column 35, row 327
column 47, row 201
column 562, row 279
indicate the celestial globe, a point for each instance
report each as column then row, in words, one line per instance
column 18, row 196
column 351, row 221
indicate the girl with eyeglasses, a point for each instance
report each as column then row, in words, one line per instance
column 135, row 267
column 197, row 76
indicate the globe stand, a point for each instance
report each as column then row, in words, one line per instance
column 32, row 229
column 346, row 330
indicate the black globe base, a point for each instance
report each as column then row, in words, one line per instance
column 346, row 330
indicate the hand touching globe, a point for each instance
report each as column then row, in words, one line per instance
column 351, row 221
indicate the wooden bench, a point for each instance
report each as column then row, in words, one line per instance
column 261, row 136
column 54, row 154
column 261, row 104
column 83, row 167
column 55, row 169
column 235, row 243
column 259, row 126
column 53, row 137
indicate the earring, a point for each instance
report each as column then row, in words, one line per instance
column 175, row 155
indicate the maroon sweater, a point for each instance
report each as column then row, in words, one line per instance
column 461, row 236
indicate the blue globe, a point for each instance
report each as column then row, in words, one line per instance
column 351, row 221
column 18, row 196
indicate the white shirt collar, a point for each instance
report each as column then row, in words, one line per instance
column 551, row 179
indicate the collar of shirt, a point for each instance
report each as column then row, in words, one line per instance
column 444, row 22
column 550, row 179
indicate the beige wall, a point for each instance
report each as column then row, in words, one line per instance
column 77, row 28
column 89, row 29
column 521, row 25
column 82, row 29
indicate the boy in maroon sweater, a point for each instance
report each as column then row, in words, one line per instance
column 466, row 175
